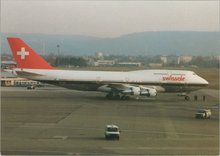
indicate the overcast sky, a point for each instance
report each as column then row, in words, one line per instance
column 107, row 18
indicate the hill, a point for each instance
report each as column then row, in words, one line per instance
column 142, row 43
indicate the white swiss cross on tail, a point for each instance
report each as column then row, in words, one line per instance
column 23, row 53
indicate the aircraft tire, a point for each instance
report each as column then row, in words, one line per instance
column 187, row 98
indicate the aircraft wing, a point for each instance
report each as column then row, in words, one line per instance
column 119, row 87
column 127, row 89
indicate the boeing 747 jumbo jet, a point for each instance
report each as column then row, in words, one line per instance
column 117, row 85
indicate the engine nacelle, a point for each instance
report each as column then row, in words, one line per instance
column 135, row 90
column 104, row 88
column 131, row 90
column 146, row 91
column 143, row 91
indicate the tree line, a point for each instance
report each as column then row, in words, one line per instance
column 70, row 60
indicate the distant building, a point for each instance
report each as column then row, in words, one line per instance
column 8, row 79
column 129, row 64
column 171, row 60
column 104, row 63
column 8, row 74
column 99, row 55
column 217, row 57
column 6, row 57
column 18, row 82
column 186, row 58
column 8, row 64
column 163, row 59
column 155, row 65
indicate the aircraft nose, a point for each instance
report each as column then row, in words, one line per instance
column 205, row 82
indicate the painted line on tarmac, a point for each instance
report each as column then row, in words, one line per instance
column 35, row 152
column 123, row 130
column 161, row 148
column 60, row 137
column 170, row 129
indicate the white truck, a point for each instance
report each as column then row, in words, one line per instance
column 203, row 114
column 112, row 132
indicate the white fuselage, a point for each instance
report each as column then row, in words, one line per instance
column 176, row 80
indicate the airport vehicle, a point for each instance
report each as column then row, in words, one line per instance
column 112, row 132
column 184, row 95
column 203, row 114
column 31, row 87
column 117, row 84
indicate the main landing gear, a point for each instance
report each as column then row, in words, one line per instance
column 112, row 96
column 187, row 98
column 185, row 95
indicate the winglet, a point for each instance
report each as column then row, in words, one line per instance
column 25, row 56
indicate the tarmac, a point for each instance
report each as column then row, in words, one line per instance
column 57, row 121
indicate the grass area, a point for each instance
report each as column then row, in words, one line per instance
column 211, row 75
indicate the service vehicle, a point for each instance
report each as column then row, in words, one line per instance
column 31, row 87
column 203, row 114
column 112, row 132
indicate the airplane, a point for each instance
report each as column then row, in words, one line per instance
column 117, row 84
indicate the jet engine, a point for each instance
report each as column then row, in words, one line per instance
column 148, row 91
column 126, row 90
column 142, row 91
column 135, row 90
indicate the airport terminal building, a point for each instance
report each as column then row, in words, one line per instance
column 8, row 79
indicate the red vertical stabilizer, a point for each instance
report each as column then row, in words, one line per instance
column 25, row 56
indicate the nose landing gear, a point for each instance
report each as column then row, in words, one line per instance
column 187, row 98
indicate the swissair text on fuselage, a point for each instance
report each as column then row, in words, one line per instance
column 173, row 78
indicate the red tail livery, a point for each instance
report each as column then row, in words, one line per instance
column 25, row 56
